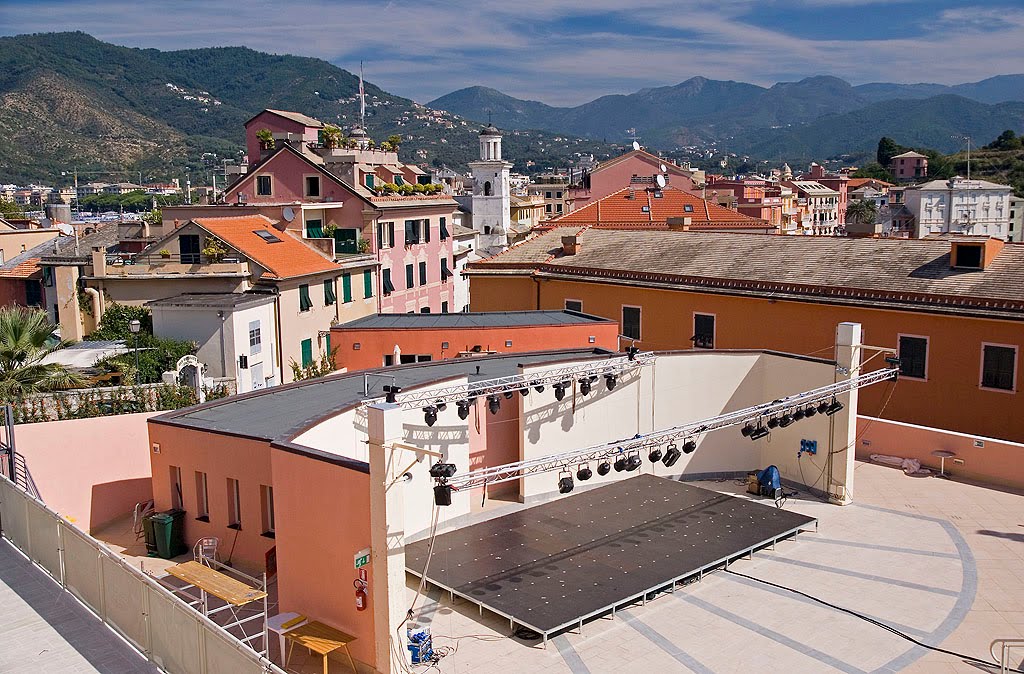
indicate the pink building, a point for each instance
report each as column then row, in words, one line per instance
column 753, row 197
column 338, row 193
column 636, row 167
column 909, row 166
column 837, row 182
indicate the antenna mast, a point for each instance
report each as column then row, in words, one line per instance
column 362, row 99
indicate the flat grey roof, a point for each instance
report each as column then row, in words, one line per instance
column 280, row 413
column 489, row 319
column 213, row 300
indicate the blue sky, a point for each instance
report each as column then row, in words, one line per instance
column 565, row 55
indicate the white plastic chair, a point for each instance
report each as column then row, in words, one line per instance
column 206, row 549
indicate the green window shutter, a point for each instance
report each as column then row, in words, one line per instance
column 314, row 229
column 305, row 304
column 307, row 352
column 346, row 288
column 444, row 229
column 327, row 343
column 410, row 277
column 367, row 283
column 329, row 296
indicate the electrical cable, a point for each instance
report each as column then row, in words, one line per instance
column 877, row 623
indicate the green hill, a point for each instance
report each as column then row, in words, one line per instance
column 69, row 101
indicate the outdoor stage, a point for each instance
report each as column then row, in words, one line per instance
column 555, row 565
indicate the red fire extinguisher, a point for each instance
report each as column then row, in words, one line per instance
column 361, row 598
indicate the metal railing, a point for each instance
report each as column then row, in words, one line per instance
column 1005, row 646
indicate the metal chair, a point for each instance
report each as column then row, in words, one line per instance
column 206, row 549
column 141, row 511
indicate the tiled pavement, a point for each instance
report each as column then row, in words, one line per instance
column 44, row 629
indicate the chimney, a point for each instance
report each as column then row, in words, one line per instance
column 99, row 261
column 570, row 245
column 177, row 223
column 679, row 224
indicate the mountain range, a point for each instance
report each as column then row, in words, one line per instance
column 69, row 101
column 813, row 118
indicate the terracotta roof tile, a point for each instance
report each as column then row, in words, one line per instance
column 24, row 269
column 618, row 211
column 286, row 258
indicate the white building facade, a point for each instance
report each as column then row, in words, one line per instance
column 491, row 195
column 820, row 203
column 960, row 206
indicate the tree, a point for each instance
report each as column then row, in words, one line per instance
column 861, row 211
column 1007, row 140
column 26, row 338
column 332, row 137
column 887, row 149
column 9, row 209
column 156, row 355
column 873, row 170
column 394, row 140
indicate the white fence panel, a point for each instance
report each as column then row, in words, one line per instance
column 45, row 538
column 14, row 514
column 223, row 654
column 176, row 635
column 123, row 598
column 82, row 569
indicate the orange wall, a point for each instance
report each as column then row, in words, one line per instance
column 220, row 457
column 375, row 344
column 91, row 471
column 951, row 397
column 323, row 520
column 996, row 462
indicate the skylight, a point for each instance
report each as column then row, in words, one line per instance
column 687, row 208
column 266, row 236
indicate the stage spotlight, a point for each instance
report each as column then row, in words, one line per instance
column 585, row 386
column 463, row 406
column 604, row 468
column 822, row 406
column 620, row 464
column 390, row 392
column 785, row 420
column 524, row 392
column 773, row 422
column 584, row 473
column 747, row 429
column 559, row 391
column 493, row 403
column 443, row 494
column 633, row 461
column 810, row 411
column 509, row 394
column 655, row 455
column 430, row 414
column 834, row 407
column 610, row 381
column 565, row 484
column 759, row 432
column 672, row 455
column 631, row 352
column 537, row 386
column 689, row 446
column 442, row 470
column 799, row 414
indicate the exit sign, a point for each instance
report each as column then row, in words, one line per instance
column 362, row 558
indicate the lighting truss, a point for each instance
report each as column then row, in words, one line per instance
column 617, row 365
column 560, row 462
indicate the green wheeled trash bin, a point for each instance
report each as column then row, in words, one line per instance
column 169, row 529
column 147, row 530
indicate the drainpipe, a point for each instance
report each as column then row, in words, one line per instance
column 536, row 280
column 223, row 361
column 97, row 307
column 277, row 327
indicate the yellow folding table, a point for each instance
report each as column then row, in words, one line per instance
column 234, row 593
column 322, row 640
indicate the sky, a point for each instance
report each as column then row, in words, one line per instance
column 567, row 53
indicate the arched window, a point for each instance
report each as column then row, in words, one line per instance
column 487, row 188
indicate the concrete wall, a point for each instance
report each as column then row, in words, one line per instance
column 984, row 459
column 91, row 471
column 17, row 241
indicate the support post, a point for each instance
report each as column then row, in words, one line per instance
column 387, row 539
column 843, row 439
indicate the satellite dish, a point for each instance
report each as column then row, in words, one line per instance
column 660, row 179
column 664, row 169
column 288, row 213
column 636, row 145
column 65, row 229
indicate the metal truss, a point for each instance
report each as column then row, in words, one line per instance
column 568, row 374
column 567, row 460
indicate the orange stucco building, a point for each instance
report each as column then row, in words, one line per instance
column 959, row 329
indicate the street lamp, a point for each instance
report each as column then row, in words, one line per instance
column 135, row 325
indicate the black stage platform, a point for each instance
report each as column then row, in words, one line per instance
column 555, row 565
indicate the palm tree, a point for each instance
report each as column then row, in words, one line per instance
column 862, row 212
column 25, row 340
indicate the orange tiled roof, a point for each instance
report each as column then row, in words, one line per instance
column 619, row 211
column 24, row 269
column 287, row 258
column 854, row 183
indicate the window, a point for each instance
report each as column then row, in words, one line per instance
column 410, row 276
column 188, row 247
column 367, row 283
column 234, row 505
column 631, row 322
column 305, row 304
column 267, row 508
column 386, row 283
column 703, row 331
column 368, row 180
column 998, row 365
column 547, row 208
column 398, row 180
column 558, row 208
column 314, row 229
column 329, row 295
column 913, row 355
column 426, row 230
column 202, row 498
column 969, row 256
column 255, row 338
column 307, row 352
column 444, row 307
column 424, row 310
column 346, row 288
column 266, row 236
column 445, row 273
column 687, row 208
column 389, row 360
column 547, row 195
column 312, row 186
column 176, row 501
column 487, row 188
column 444, row 229
column 574, row 305
column 385, row 235
column 558, row 195
column 263, row 186
column 644, row 209
column 423, row 273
